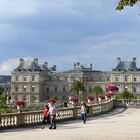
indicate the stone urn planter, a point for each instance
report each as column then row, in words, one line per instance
column 90, row 99
column 73, row 100
column 19, row 104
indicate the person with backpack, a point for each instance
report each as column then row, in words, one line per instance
column 83, row 111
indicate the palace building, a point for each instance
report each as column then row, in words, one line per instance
column 39, row 81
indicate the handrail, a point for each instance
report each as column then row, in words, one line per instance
column 11, row 120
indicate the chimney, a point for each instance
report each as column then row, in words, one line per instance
column 119, row 60
column 54, row 67
column 134, row 59
column 91, row 66
column 78, row 63
column 36, row 60
column 21, row 60
column 46, row 64
column 74, row 66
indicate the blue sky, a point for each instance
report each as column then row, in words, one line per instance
column 66, row 31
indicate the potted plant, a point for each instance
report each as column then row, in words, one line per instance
column 108, row 95
column 51, row 101
column 19, row 104
column 73, row 100
column 90, row 99
column 101, row 97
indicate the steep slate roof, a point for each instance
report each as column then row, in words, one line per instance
column 28, row 66
column 126, row 65
column 32, row 65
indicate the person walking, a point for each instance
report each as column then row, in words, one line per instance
column 83, row 112
column 53, row 112
column 46, row 116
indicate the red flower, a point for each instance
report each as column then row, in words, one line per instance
column 74, row 99
column 108, row 95
column 20, row 103
column 102, row 96
column 91, row 98
column 53, row 101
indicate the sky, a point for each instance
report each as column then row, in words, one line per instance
column 63, row 32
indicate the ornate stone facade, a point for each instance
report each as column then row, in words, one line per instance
column 33, row 80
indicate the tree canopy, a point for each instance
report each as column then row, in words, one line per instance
column 1, row 90
column 97, row 90
column 77, row 87
column 2, row 97
column 126, row 95
column 124, row 3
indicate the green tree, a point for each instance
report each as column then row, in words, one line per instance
column 124, row 3
column 2, row 97
column 1, row 90
column 97, row 90
column 78, row 87
column 54, row 97
column 33, row 98
column 126, row 95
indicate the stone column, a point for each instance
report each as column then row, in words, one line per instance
column 75, row 115
column 90, row 110
column 20, row 119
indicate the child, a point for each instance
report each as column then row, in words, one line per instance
column 46, row 116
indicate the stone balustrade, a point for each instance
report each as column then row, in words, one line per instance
column 133, row 103
column 12, row 120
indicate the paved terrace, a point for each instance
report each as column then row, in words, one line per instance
column 119, row 124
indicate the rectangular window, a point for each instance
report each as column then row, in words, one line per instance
column 24, row 88
column 25, row 78
column 135, row 79
column 126, row 88
column 50, row 78
column 64, row 89
column 33, row 78
column 117, row 79
column 17, row 78
column 134, row 89
column 55, row 89
column 16, row 88
column 47, row 89
column 33, row 88
column 126, row 78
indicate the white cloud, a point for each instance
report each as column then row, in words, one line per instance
column 13, row 8
column 8, row 66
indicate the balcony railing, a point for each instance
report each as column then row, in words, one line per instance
column 12, row 120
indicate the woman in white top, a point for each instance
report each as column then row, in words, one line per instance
column 83, row 112
column 53, row 112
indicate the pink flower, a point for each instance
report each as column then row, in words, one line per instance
column 112, row 88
